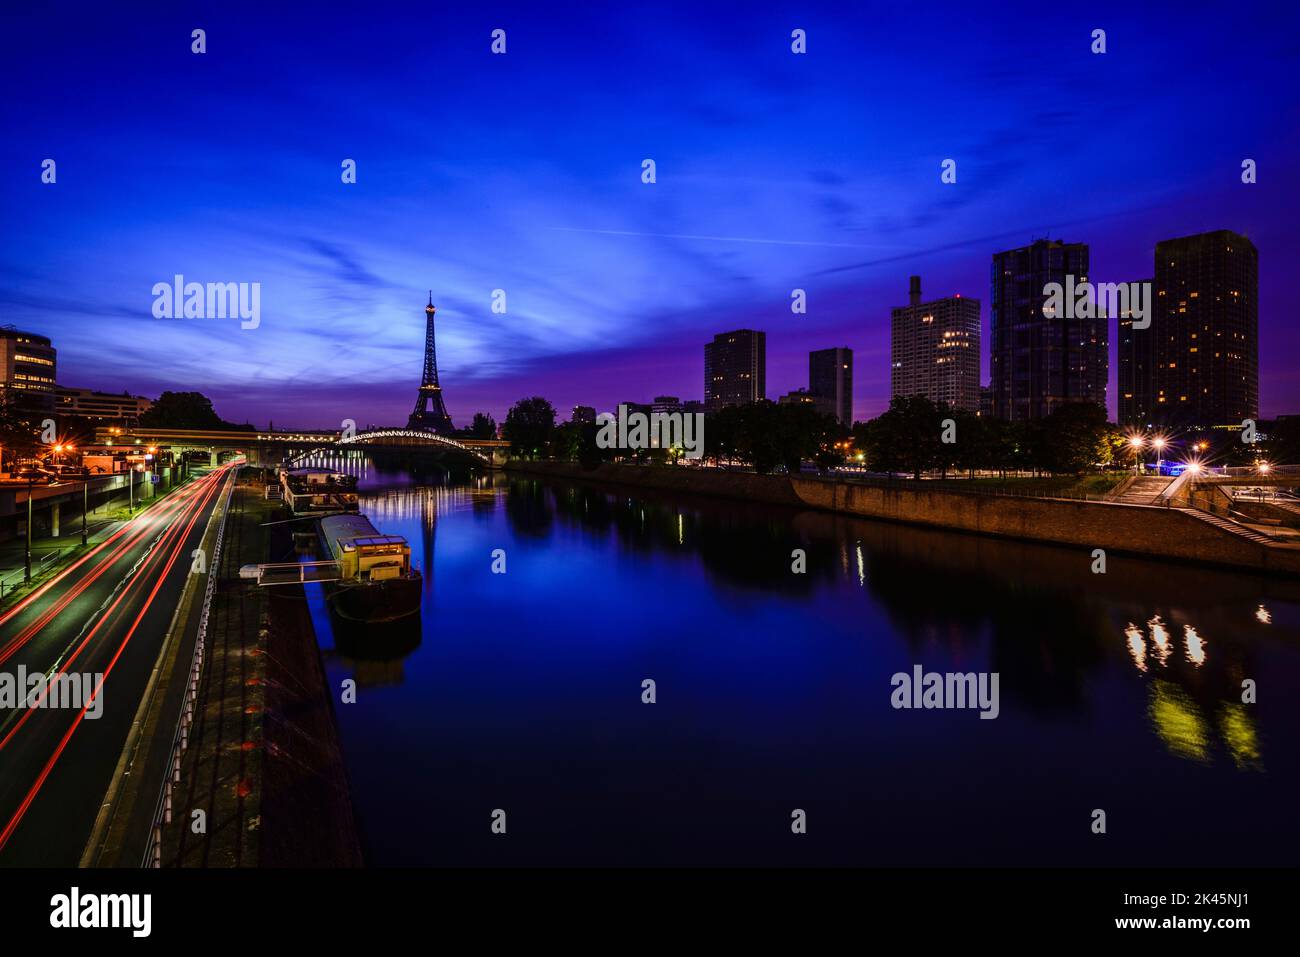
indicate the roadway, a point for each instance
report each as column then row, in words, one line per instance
column 106, row 614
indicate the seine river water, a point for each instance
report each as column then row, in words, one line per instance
column 523, row 692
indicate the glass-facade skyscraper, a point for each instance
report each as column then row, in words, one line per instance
column 1039, row 361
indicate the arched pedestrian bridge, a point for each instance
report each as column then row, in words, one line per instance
column 483, row 452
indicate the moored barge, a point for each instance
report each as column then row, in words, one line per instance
column 318, row 490
column 376, row 581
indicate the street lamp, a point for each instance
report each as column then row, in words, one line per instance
column 27, row 557
column 1159, row 444
column 1135, row 443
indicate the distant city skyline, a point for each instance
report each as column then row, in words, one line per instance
column 775, row 172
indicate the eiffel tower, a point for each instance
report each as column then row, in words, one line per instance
column 430, row 414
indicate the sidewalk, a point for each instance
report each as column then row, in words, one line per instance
column 46, row 551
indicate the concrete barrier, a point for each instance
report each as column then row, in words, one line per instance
column 1158, row 532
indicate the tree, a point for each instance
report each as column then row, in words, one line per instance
column 19, row 428
column 566, row 441
column 970, row 450
column 1072, row 438
column 483, row 426
column 529, row 425
column 185, row 410
column 906, row 437
column 802, row 433
column 768, row 435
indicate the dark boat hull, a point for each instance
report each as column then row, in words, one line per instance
column 387, row 600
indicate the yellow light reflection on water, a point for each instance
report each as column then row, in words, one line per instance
column 1195, row 646
column 1238, row 731
column 862, row 567
column 1137, row 647
column 1178, row 723
column 1262, row 615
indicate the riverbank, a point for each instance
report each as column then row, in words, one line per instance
column 1149, row 531
column 263, row 763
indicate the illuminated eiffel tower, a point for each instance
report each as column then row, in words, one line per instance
column 430, row 413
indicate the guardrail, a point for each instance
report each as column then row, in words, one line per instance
column 181, row 738
column 37, row 569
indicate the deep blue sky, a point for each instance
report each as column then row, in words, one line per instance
column 522, row 172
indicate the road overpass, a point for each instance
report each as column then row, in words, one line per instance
column 267, row 448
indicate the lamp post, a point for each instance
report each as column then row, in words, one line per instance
column 1136, row 443
column 27, row 556
column 1159, row 447
column 85, row 504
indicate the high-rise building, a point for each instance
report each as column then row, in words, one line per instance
column 935, row 350
column 1133, row 377
column 735, row 369
column 830, row 376
column 666, row 403
column 28, row 367
column 1205, row 331
column 583, row 414
column 823, row 404
column 1038, row 361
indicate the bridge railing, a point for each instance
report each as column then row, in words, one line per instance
column 402, row 437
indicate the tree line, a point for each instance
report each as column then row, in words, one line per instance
column 913, row 436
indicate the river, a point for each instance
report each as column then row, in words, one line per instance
column 524, row 692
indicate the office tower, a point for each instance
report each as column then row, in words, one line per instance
column 935, row 350
column 666, row 403
column 830, row 376
column 1039, row 361
column 1133, row 377
column 1205, row 325
column 28, row 367
column 583, row 414
column 823, row 404
column 735, row 369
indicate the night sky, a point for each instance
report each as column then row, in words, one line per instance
column 523, row 172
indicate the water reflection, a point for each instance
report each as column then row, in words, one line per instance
column 1160, row 638
column 606, row 584
column 1195, row 645
column 1178, row 721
